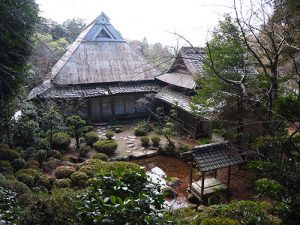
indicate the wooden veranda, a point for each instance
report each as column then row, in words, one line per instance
column 210, row 158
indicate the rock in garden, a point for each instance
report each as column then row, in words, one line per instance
column 130, row 145
column 169, row 192
column 158, row 171
column 132, row 137
column 174, row 182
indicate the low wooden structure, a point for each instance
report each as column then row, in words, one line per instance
column 208, row 158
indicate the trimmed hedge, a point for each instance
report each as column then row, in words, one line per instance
column 61, row 141
column 5, row 167
column 155, row 141
column 100, row 156
column 91, row 137
column 106, row 146
column 109, row 134
column 19, row 164
column 139, row 132
column 84, row 151
column 62, row 183
column 15, row 186
column 145, row 141
column 64, row 172
column 8, row 154
column 79, row 178
column 26, row 179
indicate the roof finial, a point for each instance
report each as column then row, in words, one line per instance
column 103, row 19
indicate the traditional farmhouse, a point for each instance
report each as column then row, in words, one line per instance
column 179, row 85
column 100, row 76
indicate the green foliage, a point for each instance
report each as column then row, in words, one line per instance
column 9, row 208
column 57, row 208
column 76, row 127
column 145, row 141
column 100, row 156
column 109, row 134
column 204, row 141
column 5, row 167
column 246, row 212
column 91, row 137
column 55, row 154
column 64, row 172
column 73, row 27
column 41, row 156
column 106, row 146
column 62, row 183
column 46, row 181
column 18, row 19
column 121, row 197
column 15, row 186
column 219, row 221
column 79, row 179
column 155, row 141
column 142, row 128
column 27, row 179
column 184, row 147
column 19, row 164
column 28, row 176
column 84, row 151
column 139, row 132
column 8, row 154
column 288, row 107
column 60, row 141
column 269, row 188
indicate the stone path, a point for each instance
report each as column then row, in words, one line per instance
column 129, row 146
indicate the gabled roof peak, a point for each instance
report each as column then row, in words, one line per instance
column 102, row 19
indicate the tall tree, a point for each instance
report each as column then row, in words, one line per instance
column 17, row 24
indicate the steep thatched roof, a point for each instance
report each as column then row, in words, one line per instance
column 187, row 65
column 101, row 55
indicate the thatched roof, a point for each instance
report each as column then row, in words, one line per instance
column 187, row 65
column 101, row 55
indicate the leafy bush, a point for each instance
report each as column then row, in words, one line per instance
column 109, row 134
column 46, row 181
column 106, row 146
column 26, row 179
column 34, row 164
column 122, row 197
column 51, row 164
column 145, row 141
column 76, row 126
column 219, row 221
column 64, row 172
column 41, row 156
column 96, row 166
column 184, row 147
column 15, row 186
column 55, row 154
column 19, row 164
column 91, row 137
column 5, row 167
column 204, row 141
column 79, row 178
column 57, row 208
column 62, row 183
column 43, row 143
column 8, row 154
column 87, row 129
column 100, row 156
column 84, row 151
column 155, row 141
column 139, row 132
column 270, row 188
column 8, row 206
column 61, row 141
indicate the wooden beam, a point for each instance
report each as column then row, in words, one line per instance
column 202, row 184
column 216, row 173
column 228, row 176
column 191, row 174
column 89, row 109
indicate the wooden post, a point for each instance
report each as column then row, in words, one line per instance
column 191, row 174
column 113, row 108
column 228, row 176
column 202, row 184
column 216, row 171
column 89, row 109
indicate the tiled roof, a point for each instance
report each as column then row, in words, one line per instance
column 214, row 156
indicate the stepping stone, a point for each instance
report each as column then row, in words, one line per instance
column 132, row 137
column 142, row 149
column 125, row 138
column 137, row 154
column 129, row 142
column 135, row 148
column 128, row 151
column 133, row 140
column 130, row 145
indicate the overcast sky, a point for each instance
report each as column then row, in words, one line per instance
column 154, row 19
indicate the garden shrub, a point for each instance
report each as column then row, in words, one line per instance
column 41, row 156
column 5, row 167
column 84, row 151
column 145, row 141
column 139, row 132
column 26, row 179
column 8, row 206
column 106, row 146
column 79, row 178
column 8, row 154
column 61, row 141
column 34, row 164
column 19, row 164
column 57, row 208
column 91, row 137
column 184, row 147
column 64, row 172
column 55, row 154
column 51, row 164
column 155, row 141
column 109, row 134
column 204, row 141
column 100, row 156
column 43, row 143
column 87, row 129
column 219, row 221
column 46, row 181
column 15, row 186
column 62, row 183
